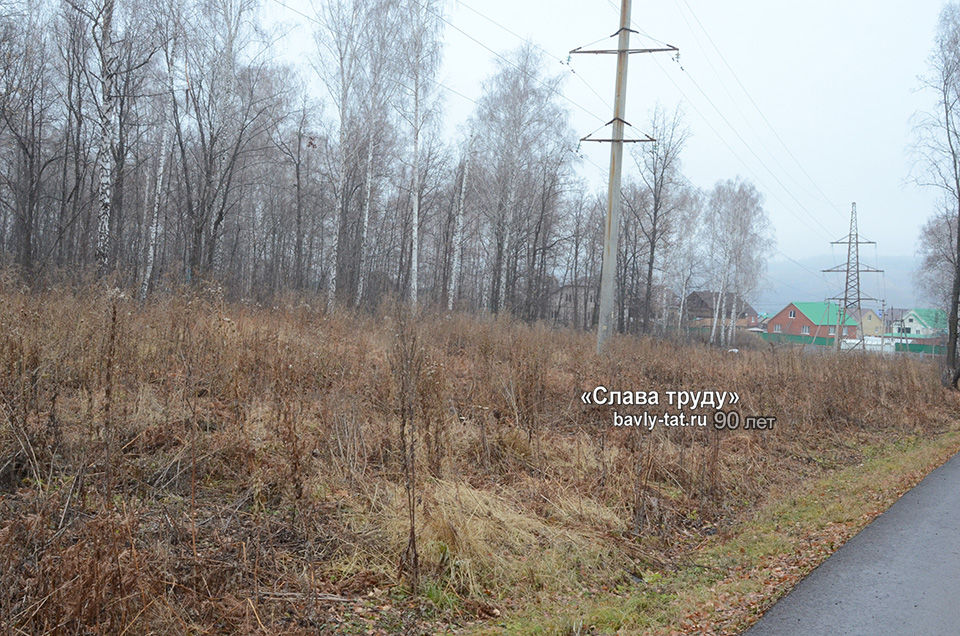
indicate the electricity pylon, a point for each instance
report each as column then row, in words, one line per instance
column 851, row 299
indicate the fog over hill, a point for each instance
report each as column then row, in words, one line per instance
column 789, row 281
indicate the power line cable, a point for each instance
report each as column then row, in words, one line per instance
column 725, row 85
column 760, row 111
column 564, row 62
column 757, row 156
column 463, row 96
column 552, row 89
column 733, row 129
column 802, row 266
column 730, row 148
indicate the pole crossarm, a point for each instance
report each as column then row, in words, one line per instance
column 581, row 51
column 615, row 120
column 842, row 268
column 626, row 141
column 840, row 298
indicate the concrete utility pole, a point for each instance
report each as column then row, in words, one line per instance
column 851, row 293
column 611, row 231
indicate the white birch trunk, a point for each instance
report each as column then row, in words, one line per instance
column 335, row 243
column 732, row 324
column 457, row 234
column 415, row 247
column 155, row 219
column 107, row 134
column 738, row 305
column 717, row 310
column 663, row 310
column 683, row 302
column 332, row 285
column 365, row 223
column 502, row 287
column 158, row 189
column 481, row 293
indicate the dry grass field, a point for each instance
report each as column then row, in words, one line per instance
column 198, row 466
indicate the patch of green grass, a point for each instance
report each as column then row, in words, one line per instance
column 439, row 595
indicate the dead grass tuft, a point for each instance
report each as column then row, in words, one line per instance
column 190, row 465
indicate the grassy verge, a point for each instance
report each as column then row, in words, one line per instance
column 192, row 465
column 724, row 584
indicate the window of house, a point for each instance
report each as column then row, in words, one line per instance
column 805, row 330
column 777, row 328
column 831, row 331
column 793, row 313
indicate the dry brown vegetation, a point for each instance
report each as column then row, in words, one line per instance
column 193, row 465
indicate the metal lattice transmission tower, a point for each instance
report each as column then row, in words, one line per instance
column 852, row 297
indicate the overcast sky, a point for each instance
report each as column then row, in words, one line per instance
column 811, row 101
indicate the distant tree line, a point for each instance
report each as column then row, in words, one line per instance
column 938, row 150
column 163, row 142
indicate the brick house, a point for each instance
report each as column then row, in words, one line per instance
column 814, row 320
column 701, row 305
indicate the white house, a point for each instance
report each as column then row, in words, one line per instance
column 922, row 323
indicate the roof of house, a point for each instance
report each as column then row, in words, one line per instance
column 709, row 297
column 896, row 313
column 824, row 314
column 742, row 323
column 932, row 318
column 863, row 312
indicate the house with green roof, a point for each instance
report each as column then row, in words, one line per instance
column 816, row 321
column 922, row 323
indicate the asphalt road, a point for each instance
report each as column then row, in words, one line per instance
column 899, row 575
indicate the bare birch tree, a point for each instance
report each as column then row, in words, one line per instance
column 739, row 236
column 659, row 164
column 339, row 40
column 939, row 148
column 104, row 41
column 169, row 55
column 420, row 59
column 381, row 65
